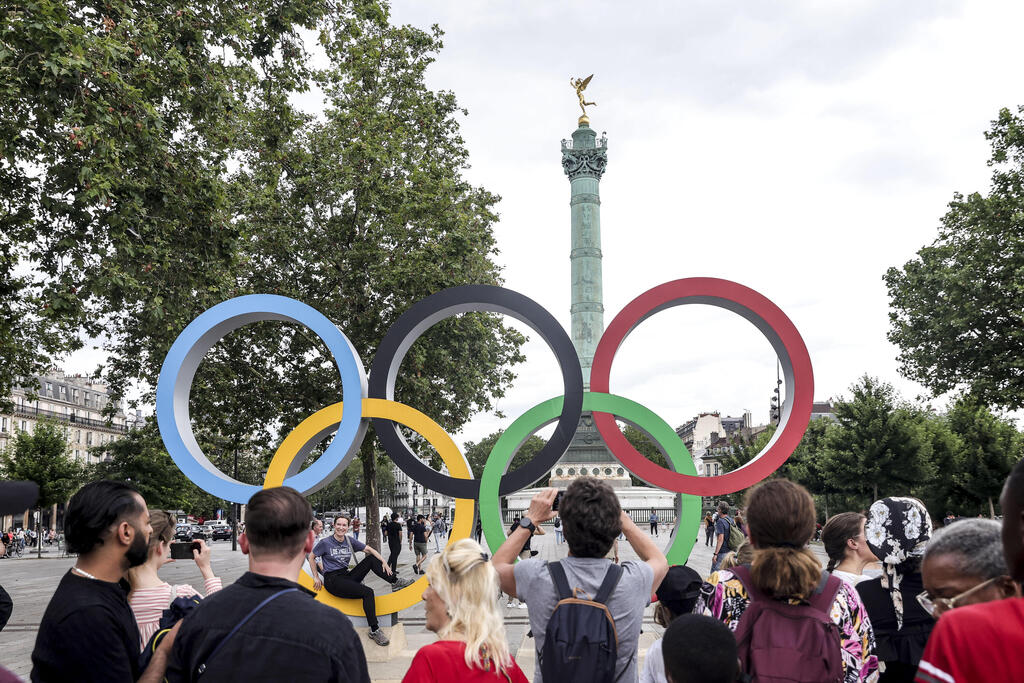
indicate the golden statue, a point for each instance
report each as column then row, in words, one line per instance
column 580, row 84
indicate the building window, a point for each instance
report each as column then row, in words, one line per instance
column 608, row 471
column 717, row 469
column 621, row 471
column 707, row 470
column 78, row 436
column 24, row 426
column 572, row 471
column 88, row 438
column 49, row 389
column 63, row 392
column 558, row 472
column 74, row 395
column 87, row 398
column 3, row 425
column 76, row 455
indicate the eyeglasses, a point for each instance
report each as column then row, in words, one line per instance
column 930, row 604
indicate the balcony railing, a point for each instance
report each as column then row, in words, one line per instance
column 70, row 419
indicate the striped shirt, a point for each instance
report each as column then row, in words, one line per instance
column 148, row 604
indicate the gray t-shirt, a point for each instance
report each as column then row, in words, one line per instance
column 627, row 603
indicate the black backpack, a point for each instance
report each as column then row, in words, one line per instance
column 581, row 642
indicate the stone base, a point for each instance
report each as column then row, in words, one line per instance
column 376, row 653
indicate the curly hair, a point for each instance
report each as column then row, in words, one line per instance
column 591, row 517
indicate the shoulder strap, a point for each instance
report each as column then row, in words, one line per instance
column 202, row 667
column 611, row 579
column 560, row 580
column 825, row 594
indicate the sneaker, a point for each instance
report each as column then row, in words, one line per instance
column 379, row 637
column 521, row 605
column 509, row 605
column 400, row 583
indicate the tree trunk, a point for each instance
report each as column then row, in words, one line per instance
column 991, row 509
column 372, row 521
column 874, row 488
column 39, row 533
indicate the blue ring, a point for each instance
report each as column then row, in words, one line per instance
column 179, row 369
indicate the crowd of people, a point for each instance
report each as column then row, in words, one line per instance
column 898, row 600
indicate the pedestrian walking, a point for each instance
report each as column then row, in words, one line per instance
column 709, row 529
column 654, row 523
column 559, row 537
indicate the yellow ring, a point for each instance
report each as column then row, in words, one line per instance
column 435, row 436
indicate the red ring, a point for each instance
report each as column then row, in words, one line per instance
column 753, row 306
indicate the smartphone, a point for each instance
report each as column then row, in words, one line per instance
column 558, row 499
column 183, row 551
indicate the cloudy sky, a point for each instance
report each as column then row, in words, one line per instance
column 799, row 148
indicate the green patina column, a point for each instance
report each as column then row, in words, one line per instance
column 584, row 160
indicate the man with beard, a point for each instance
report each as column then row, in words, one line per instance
column 88, row 632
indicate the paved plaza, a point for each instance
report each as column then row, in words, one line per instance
column 31, row 583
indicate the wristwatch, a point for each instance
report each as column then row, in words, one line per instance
column 527, row 524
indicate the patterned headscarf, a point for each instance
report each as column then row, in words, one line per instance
column 898, row 530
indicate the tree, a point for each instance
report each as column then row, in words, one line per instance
column 958, row 308
column 645, row 447
column 139, row 458
column 42, row 456
column 990, row 446
column 158, row 165
column 478, row 451
column 941, row 493
column 880, row 444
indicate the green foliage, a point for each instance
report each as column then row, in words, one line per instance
column 43, row 457
column 156, row 164
column 477, row 452
column 139, row 458
column 958, row 308
column 646, row 447
column 880, row 446
column 990, row 446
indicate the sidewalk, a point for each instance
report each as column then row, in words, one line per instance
column 31, row 583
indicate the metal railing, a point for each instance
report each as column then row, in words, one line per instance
column 70, row 419
column 638, row 515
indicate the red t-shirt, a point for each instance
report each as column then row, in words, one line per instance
column 445, row 661
column 980, row 643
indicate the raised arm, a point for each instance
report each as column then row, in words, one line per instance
column 505, row 557
column 645, row 549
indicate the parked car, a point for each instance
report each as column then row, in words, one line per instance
column 183, row 532
column 220, row 533
column 197, row 533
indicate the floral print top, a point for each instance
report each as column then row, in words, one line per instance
column 723, row 597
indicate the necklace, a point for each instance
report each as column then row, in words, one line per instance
column 84, row 573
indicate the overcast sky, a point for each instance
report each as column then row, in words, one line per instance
column 799, row 148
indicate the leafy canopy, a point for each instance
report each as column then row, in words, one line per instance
column 957, row 309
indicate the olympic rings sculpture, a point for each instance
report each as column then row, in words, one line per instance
column 348, row 420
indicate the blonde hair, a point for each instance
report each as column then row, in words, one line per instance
column 163, row 524
column 467, row 582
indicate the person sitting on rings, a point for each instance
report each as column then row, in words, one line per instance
column 335, row 552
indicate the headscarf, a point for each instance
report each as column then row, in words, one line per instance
column 898, row 529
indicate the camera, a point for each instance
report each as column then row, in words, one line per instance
column 183, row 551
column 558, row 499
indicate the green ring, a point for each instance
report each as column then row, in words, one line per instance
column 688, row 512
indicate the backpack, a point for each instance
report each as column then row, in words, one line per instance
column 558, row 522
column 736, row 536
column 581, row 642
column 782, row 643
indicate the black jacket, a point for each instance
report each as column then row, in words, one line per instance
column 293, row 638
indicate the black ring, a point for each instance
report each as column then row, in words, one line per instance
column 465, row 299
